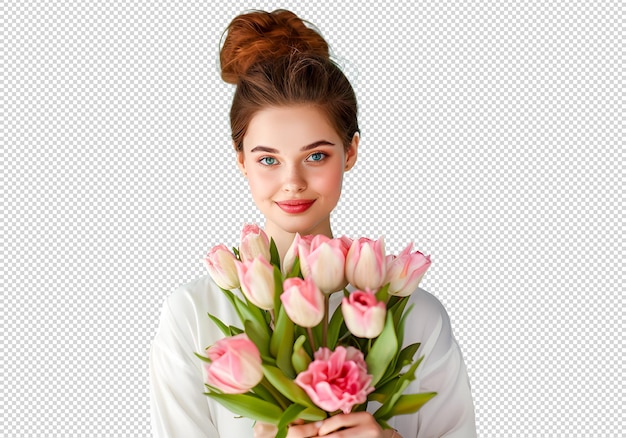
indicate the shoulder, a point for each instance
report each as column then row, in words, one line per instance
column 185, row 312
column 189, row 296
column 427, row 308
column 428, row 323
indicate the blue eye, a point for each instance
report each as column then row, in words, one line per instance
column 268, row 161
column 317, row 156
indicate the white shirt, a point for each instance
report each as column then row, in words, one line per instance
column 180, row 409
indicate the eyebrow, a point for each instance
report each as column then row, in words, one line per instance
column 303, row 148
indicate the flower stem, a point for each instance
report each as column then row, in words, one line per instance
column 310, row 332
column 280, row 399
column 325, row 325
column 273, row 323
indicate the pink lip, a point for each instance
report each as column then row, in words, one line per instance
column 295, row 206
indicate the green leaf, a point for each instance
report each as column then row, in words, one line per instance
column 223, row 327
column 401, row 324
column 274, row 257
column 281, row 344
column 278, row 290
column 264, row 393
column 248, row 406
column 398, row 309
column 290, row 415
column 286, row 386
column 231, row 297
column 317, row 335
column 382, row 294
column 295, row 269
column 285, row 347
column 234, row 330
column 334, row 328
column 404, row 358
column 406, row 355
column 383, row 351
column 259, row 338
column 313, row 414
column 203, row 358
column 247, row 311
column 253, row 313
column 401, row 384
column 410, row 403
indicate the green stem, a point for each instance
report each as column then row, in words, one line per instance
column 273, row 324
column 280, row 399
column 325, row 325
column 310, row 332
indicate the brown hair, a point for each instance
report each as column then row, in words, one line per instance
column 276, row 60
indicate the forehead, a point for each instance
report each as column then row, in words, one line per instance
column 289, row 126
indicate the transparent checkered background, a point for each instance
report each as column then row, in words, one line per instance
column 493, row 137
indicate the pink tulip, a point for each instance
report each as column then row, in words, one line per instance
column 324, row 261
column 405, row 271
column 365, row 263
column 336, row 380
column 303, row 301
column 364, row 314
column 346, row 243
column 220, row 262
column 294, row 251
column 257, row 281
column 254, row 242
column 236, row 365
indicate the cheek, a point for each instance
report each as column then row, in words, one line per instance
column 261, row 184
column 330, row 183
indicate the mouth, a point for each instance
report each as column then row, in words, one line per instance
column 295, row 206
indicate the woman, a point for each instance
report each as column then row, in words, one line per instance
column 295, row 132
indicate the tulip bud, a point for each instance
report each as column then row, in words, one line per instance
column 254, row 242
column 257, row 281
column 300, row 358
column 363, row 314
column 365, row 263
column 236, row 365
column 220, row 262
column 405, row 271
column 324, row 261
column 303, row 301
column 294, row 251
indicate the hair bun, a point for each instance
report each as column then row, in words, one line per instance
column 258, row 36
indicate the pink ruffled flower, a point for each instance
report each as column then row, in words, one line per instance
column 336, row 380
column 236, row 365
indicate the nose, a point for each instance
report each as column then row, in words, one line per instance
column 294, row 181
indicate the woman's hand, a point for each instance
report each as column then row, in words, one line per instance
column 353, row 425
column 297, row 430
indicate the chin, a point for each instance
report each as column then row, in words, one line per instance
column 298, row 225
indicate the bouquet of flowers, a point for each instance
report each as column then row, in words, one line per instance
column 292, row 358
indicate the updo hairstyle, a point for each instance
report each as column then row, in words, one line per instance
column 275, row 60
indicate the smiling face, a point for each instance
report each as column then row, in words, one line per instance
column 294, row 161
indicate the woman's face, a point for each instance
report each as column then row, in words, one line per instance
column 294, row 161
